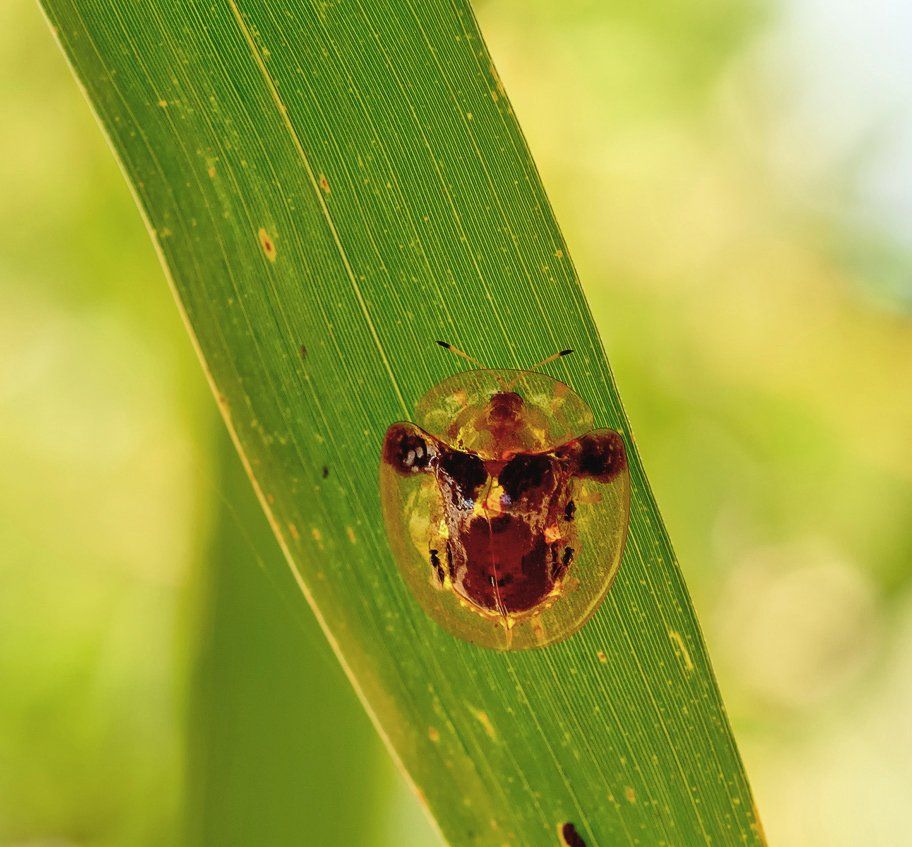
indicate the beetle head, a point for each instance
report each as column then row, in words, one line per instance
column 503, row 415
column 498, row 425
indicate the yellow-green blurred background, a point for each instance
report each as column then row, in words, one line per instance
column 735, row 181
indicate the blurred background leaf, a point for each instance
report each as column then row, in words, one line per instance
column 280, row 751
column 770, row 282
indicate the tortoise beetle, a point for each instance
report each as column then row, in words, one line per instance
column 506, row 511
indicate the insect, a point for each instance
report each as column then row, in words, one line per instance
column 506, row 511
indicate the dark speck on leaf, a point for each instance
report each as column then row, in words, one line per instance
column 570, row 836
column 303, row 351
column 325, row 471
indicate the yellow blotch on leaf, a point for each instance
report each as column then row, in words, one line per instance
column 485, row 721
column 267, row 244
column 681, row 649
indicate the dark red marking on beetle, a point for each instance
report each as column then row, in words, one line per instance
column 501, row 565
column 505, row 558
column 461, row 474
column 407, row 449
column 527, row 474
column 570, row 836
column 601, row 457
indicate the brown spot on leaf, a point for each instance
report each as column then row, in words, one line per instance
column 630, row 794
column 267, row 244
column 324, row 184
column 602, row 657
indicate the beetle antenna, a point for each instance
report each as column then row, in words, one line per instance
column 546, row 361
column 462, row 355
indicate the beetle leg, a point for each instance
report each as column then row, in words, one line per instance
column 435, row 563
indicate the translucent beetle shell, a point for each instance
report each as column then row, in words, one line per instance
column 506, row 511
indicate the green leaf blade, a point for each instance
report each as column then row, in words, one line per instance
column 351, row 180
